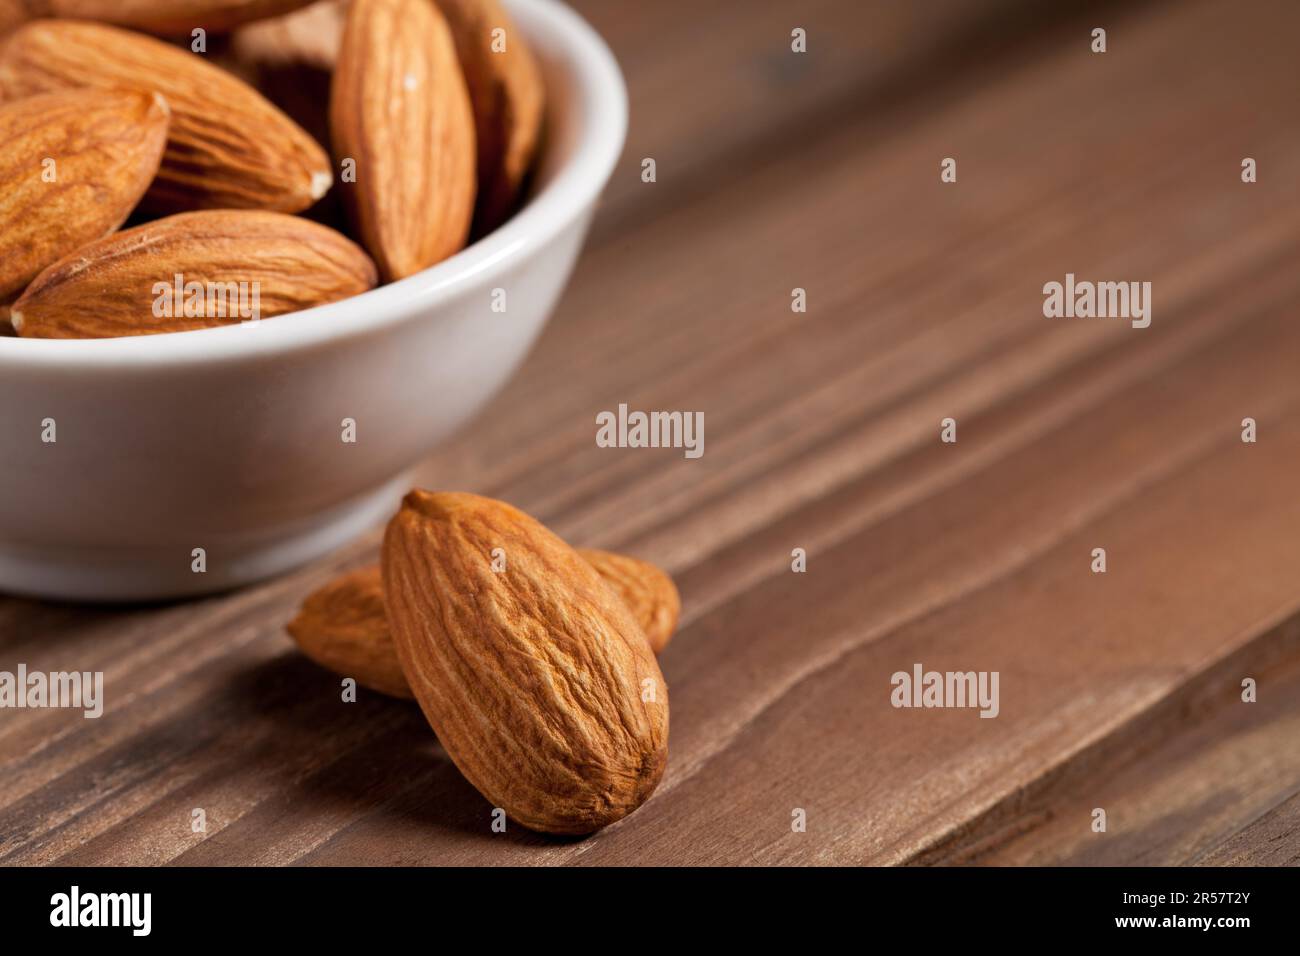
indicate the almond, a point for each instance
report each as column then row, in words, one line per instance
column 172, row 17
column 648, row 592
column 537, row 679
column 342, row 626
column 12, row 13
column 400, row 111
column 507, row 93
column 307, row 37
column 124, row 284
column 74, row 165
column 227, row 146
column 290, row 61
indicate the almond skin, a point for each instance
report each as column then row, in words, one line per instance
column 648, row 592
column 107, row 288
column 307, row 37
column 172, row 17
column 533, row 677
column 227, row 147
column 12, row 13
column 399, row 109
column 342, row 626
column 104, row 147
column 508, row 97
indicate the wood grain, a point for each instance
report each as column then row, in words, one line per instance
column 1118, row 690
column 1269, row 841
column 1188, row 776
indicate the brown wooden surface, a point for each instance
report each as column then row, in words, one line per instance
column 1119, row 691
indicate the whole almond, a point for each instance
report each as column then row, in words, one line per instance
column 342, row 626
column 400, row 111
column 507, row 94
column 172, row 17
column 536, row 678
column 73, row 164
column 227, row 147
column 114, row 286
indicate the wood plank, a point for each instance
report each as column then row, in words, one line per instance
column 711, row 85
column 1270, row 841
column 1197, row 770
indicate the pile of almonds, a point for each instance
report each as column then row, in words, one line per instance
column 434, row 115
column 533, row 662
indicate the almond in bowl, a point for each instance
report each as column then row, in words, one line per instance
column 421, row 109
column 153, row 459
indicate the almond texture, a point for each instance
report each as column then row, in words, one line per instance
column 399, row 111
column 648, row 592
column 308, row 37
column 12, row 13
column 507, row 94
column 73, row 164
column 537, row 679
column 120, row 284
column 343, row 627
column 172, row 17
column 227, row 146
column 290, row 61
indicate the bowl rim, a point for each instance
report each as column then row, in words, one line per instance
column 601, row 96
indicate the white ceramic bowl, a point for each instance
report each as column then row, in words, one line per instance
column 230, row 439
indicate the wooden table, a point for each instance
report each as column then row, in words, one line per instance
column 1120, row 691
